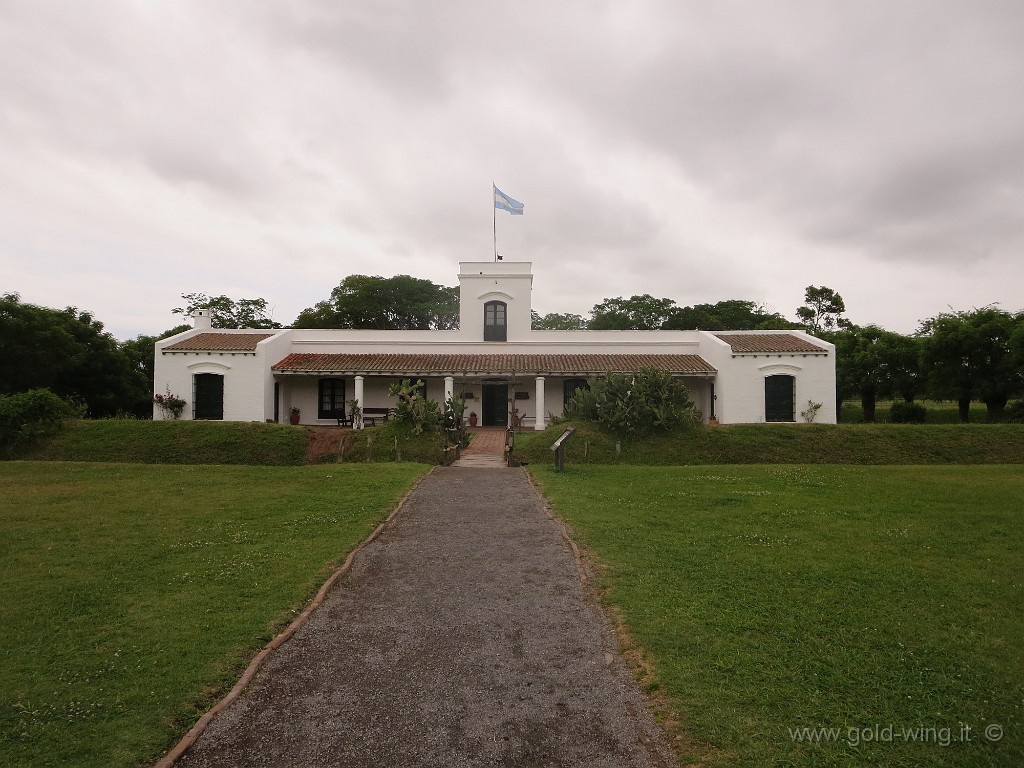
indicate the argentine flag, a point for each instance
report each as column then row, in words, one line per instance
column 506, row 203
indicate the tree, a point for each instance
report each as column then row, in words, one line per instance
column 822, row 310
column 729, row 315
column 969, row 355
column 635, row 403
column 635, row 313
column 872, row 362
column 228, row 313
column 394, row 303
column 140, row 350
column 557, row 322
column 68, row 352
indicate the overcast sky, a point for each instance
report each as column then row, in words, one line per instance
column 693, row 150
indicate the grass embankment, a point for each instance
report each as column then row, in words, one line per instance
column 394, row 442
column 773, row 599
column 789, row 444
column 133, row 595
column 177, row 442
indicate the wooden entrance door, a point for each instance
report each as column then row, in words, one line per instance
column 494, row 405
column 779, row 403
column 209, row 396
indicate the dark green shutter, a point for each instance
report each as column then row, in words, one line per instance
column 778, row 398
column 209, row 396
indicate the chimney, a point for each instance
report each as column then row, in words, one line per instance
column 201, row 320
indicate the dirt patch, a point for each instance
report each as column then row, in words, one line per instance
column 323, row 444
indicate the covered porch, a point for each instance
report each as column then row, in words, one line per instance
column 521, row 390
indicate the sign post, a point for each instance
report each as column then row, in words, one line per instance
column 558, row 448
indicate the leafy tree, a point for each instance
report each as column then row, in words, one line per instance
column 872, row 362
column 140, row 352
column 393, row 303
column 635, row 403
column 228, row 313
column 68, row 352
column 26, row 416
column 729, row 315
column 557, row 322
column 974, row 354
column 635, row 313
column 822, row 310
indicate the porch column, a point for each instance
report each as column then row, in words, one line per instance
column 539, row 422
column 359, row 397
column 449, row 389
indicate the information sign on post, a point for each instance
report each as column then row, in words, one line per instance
column 558, row 448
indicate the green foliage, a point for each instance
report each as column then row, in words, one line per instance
column 29, row 416
column 68, row 352
column 903, row 412
column 396, row 441
column 975, row 355
column 810, row 413
column 1015, row 411
column 635, row 404
column 413, row 408
column 455, row 433
column 730, row 315
column 557, row 322
column 177, row 442
column 635, row 313
column 140, row 353
column 873, row 363
column 767, row 599
column 171, row 405
column 394, row 303
column 823, row 309
column 133, row 595
column 226, row 312
column 786, row 444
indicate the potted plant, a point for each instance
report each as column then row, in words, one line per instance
column 293, row 417
column 472, row 418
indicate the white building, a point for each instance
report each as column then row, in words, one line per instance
column 504, row 369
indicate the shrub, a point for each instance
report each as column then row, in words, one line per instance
column 413, row 408
column 28, row 416
column 903, row 412
column 635, row 404
column 1015, row 411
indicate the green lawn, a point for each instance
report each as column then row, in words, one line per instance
column 770, row 599
column 133, row 595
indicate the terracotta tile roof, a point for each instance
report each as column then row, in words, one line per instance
column 774, row 343
column 220, row 342
column 439, row 364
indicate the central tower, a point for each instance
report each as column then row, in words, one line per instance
column 495, row 300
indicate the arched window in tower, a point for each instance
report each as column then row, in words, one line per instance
column 495, row 321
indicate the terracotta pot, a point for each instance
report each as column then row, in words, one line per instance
column 294, row 416
column 472, row 419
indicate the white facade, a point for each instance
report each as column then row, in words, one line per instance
column 506, row 371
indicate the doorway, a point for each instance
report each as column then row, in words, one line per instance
column 208, row 398
column 779, row 401
column 494, row 405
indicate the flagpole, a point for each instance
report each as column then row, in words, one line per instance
column 494, row 222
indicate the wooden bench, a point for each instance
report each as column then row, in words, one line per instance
column 371, row 416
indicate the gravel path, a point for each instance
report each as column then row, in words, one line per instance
column 462, row 637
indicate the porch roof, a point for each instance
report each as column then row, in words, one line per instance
column 477, row 365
